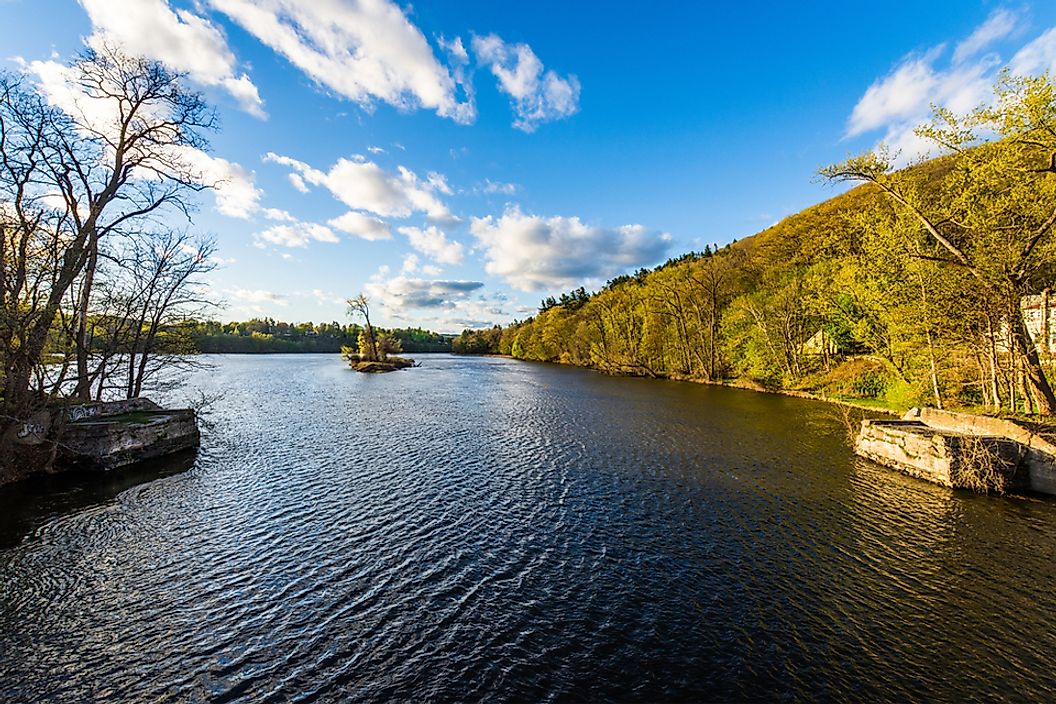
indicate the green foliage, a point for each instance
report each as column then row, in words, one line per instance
column 486, row 341
column 266, row 335
column 920, row 270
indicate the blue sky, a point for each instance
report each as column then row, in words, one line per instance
column 460, row 161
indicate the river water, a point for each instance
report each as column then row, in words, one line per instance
column 487, row 529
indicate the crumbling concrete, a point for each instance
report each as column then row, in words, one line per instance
column 107, row 435
column 962, row 450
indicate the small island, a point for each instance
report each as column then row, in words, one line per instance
column 377, row 350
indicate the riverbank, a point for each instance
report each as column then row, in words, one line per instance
column 871, row 405
column 863, row 404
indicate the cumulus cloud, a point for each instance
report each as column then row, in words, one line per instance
column 902, row 94
column 301, row 234
column 324, row 297
column 441, row 304
column 363, row 185
column 245, row 295
column 180, row 39
column 901, row 101
column 439, row 182
column 233, row 186
column 297, row 235
column 537, row 95
column 297, row 182
column 361, row 226
column 534, row 253
column 364, row 51
column 433, row 243
column 278, row 215
column 401, row 292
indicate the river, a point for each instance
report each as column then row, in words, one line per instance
column 482, row 528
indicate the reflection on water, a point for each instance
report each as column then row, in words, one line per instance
column 484, row 528
column 26, row 505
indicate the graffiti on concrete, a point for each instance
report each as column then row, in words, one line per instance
column 29, row 428
column 81, row 412
column 111, row 408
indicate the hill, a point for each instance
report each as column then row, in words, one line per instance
column 852, row 297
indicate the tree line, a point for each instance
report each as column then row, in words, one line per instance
column 267, row 335
column 909, row 288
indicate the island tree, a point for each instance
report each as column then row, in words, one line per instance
column 369, row 349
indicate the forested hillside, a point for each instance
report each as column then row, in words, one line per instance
column 906, row 289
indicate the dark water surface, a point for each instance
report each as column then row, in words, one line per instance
column 490, row 529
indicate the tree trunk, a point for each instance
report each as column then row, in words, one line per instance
column 995, row 383
column 1034, row 375
column 84, row 381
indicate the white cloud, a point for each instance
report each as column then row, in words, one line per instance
column 298, row 182
column 278, row 215
column 180, row 39
column 901, row 101
column 999, row 25
column 458, row 60
column 363, row 51
column 363, row 185
column 401, row 292
column 433, row 243
column 537, row 96
column 58, row 84
column 215, row 259
column 1036, row 57
column 444, row 305
column 297, row 235
column 410, row 264
column 256, row 296
column 533, row 253
column 375, row 150
column 325, row 297
column 439, row 182
column 903, row 93
column 361, row 226
column 432, row 270
column 456, row 50
column 233, row 186
column 508, row 189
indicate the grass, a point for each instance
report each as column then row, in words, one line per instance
column 869, row 403
column 130, row 418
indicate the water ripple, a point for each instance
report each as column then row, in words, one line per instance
column 487, row 529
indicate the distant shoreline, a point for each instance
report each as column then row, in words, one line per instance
column 731, row 384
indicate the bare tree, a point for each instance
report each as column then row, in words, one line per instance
column 361, row 306
column 135, row 123
column 114, row 155
column 149, row 287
